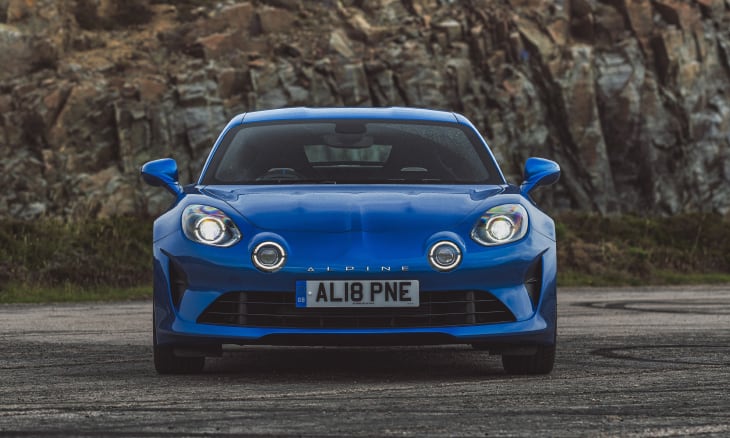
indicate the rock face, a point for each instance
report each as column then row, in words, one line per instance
column 631, row 97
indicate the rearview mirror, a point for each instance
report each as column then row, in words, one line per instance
column 351, row 141
column 539, row 172
column 162, row 173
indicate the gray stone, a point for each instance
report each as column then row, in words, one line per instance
column 340, row 43
column 631, row 97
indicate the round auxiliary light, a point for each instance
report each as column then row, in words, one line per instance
column 210, row 229
column 500, row 228
column 444, row 255
column 268, row 256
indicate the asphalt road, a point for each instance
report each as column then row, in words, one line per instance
column 647, row 362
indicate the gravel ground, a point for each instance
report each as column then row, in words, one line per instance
column 645, row 362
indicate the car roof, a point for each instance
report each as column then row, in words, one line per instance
column 391, row 113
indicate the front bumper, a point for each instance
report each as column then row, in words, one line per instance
column 500, row 271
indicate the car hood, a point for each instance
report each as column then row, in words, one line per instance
column 338, row 209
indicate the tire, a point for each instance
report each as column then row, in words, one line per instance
column 539, row 363
column 167, row 363
column 480, row 347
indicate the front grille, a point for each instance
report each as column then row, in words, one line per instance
column 277, row 309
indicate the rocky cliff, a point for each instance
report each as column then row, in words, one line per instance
column 631, row 97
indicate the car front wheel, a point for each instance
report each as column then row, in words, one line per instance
column 166, row 362
column 539, row 363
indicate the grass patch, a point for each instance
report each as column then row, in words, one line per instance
column 619, row 279
column 23, row 293
column 669, row 277
column 111, row 259
column 75, row 261
column 630, row 250
column 88, row 253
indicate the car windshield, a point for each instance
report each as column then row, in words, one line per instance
column 351, row 152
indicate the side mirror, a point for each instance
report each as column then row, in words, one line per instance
column 162, row 173
column 539, row 172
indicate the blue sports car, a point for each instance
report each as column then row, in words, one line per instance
column 353, row 226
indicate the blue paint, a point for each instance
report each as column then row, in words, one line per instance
column 352, row 232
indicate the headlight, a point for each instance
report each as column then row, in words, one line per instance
column 209, row 226
column 502, row 224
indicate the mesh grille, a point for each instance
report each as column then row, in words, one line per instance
column 277, row 309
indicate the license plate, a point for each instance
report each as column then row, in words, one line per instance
column 355, row 293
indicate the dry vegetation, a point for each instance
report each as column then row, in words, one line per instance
column 49, row 260
column 601, row 251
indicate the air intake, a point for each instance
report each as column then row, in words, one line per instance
column 533, row 281
column 278, row 309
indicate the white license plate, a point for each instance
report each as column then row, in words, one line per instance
column 356, row 293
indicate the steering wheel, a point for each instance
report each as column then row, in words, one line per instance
column 281, row 174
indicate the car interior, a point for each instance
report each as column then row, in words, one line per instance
column 373, row 153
